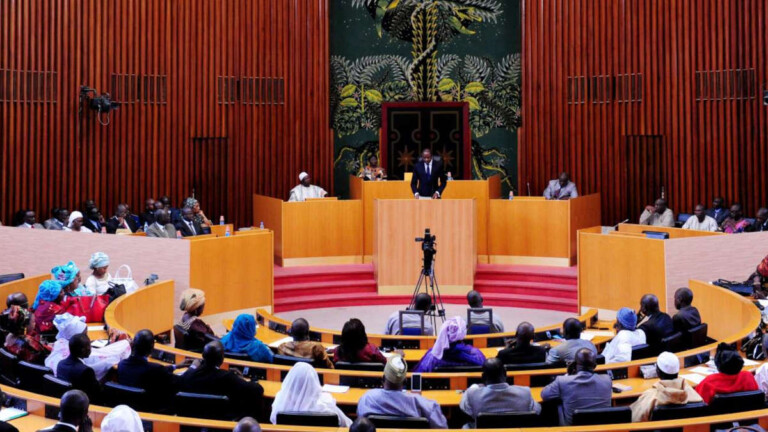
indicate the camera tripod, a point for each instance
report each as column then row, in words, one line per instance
column 428, row 280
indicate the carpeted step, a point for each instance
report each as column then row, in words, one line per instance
column 527, row 288
column 325, row 287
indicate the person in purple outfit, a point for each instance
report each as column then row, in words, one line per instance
column 449, row 351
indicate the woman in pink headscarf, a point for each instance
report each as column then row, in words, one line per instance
column 449, row 351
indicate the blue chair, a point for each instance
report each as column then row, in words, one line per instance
column 411, row 331
column 473, row 327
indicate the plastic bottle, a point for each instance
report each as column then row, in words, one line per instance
column 511, row 195
column 261, row 225
column 103, row 230
column 221, row 220
column 227, row 233
column 178, row 234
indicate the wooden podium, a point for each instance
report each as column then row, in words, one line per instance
column 397, row 257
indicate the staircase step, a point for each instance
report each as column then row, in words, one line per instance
column 528, row 288
column 304, row 290
column 531, row 302
column 565, row 275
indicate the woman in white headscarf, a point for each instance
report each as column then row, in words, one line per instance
column 449, row 350
column 75, row 223
column 101, row 359
column 301, row 391
column 122, row 419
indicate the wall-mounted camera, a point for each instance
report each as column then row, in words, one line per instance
column 101, row 103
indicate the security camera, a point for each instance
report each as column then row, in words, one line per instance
column 101, row 103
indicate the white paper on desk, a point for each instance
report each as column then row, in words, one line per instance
column 750, row 363
column 101, row 343
column 279, row 342
column 694, row 378
column 587, row 336
column 330, row 388
column 95, row 327
column 703, row 370
column 596, row 333
column 8, row 414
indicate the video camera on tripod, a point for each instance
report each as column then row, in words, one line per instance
column 428, row 249
column 428, row 280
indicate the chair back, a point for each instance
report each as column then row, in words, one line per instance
column 457, row 369
column 8, row 365
column 10, row 277
column 116, row 394
column 393, row 422
column 674, row 412
column 362, row 366
column 479, row 324
column 212, row 407
column 55, row 387
column 411, row 331
column 31, row 376
column 289, row 360
column 697, row 336
column 641, row 351
column 318, row 419
column 505, row 420
column 179, row 336
column 735, row 402
column 601, row 416
column 237, row 356
column 673, row 343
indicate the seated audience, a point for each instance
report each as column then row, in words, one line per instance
column 392, row 401
column 247, row 424
column 736, row 223
column 302, row 347
column 655, row 323
column 147, row 217
column 475, row 300
column 68, row 275
column 94, row 221
column 561, row 188
column 564, row 352
column 98, row 282
column 48, row 304
column 188, row 226
column 449, row 350
column 122, row 220
column 669, row 390
column 729, row 377
column 301, row 391
column 27, row 219
column 354, row 347
column 306, row 189
column 362, row 424
column 761, row 374
column 718, row 212
column 199, row 215
column 174, row 212
column 58, row 220
column 422, row 303
column 74, row 370
column 130, row 215
column 687, row 316
column 619, row 349
column 760, row 279
column 122, row 418
column 101, row 360
column 22, row 340
column 582, row 388
column 242, row 339
column 372, row 171
column 73, row 414
column 495, row 395
column 761, row 221
column 658, row 215
column 522, row 350
column 193, row 305
column 208, row 378
column 700, row 221
column 137, row 371
column 14, row 299
column 75, row 223
column 162, row 228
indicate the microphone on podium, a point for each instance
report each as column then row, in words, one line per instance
column 615, row 227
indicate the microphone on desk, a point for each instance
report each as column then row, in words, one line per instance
column 613, row 228
column 529, row 188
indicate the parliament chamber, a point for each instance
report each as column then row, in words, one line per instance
column 338, row 215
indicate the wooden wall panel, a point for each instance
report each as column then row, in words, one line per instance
column 175, row 51
column 601, row 77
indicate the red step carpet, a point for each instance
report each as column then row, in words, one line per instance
column 534, row 287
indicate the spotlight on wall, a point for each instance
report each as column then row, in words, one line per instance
column 101, row 103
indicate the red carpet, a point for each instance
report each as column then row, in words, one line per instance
column 550, row 288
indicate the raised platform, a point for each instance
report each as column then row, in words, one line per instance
column 533, row 287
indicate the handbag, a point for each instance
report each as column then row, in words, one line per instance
column 115, row 290
column 124, row 277
column 744, row 288
column 90, row 307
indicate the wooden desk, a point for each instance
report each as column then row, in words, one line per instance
column 673, row 232
column 532, row 230
column 398, row 258
column 221, row 230
column 28, row 286
column 314, row 232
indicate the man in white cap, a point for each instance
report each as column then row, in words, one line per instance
column 306, row 189
column 670, row 390
column 392, row 401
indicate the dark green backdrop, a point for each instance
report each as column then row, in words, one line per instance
column 483, row 68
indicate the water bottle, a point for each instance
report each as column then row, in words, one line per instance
column 227, row 233
column 448, row 176
column 511, row 195
column 178, row 234
column 221, row 220
column 261, row 225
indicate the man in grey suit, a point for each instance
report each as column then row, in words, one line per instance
column 162, row 227
column 495, row 395
column 561, row 188
column 582, row 388
column 566, row 351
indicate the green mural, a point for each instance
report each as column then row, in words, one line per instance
column 426, row 50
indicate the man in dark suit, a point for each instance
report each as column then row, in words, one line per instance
column 719, row 212
column 207, row 378
column 73, row 414
column 73, row 370
column 121, row 220
column 655, row 323
column 136, row 371
column 93, row 220
column 523, row 351
column 428, row 177
column 147, row 217
column 187, row 225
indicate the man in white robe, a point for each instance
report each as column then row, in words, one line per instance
column 306, row 189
